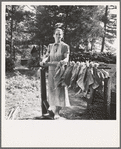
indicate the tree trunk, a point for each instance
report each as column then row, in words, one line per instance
column 11, row 34
column 92, row 42
column 103, row 42
column 14, row 56
column 105, row 23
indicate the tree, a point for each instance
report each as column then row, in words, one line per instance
column 14, row 15
column 109, row 20
column 45, row 21
column 105, row 23
column 78, row 22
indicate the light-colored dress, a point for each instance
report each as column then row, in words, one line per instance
column 58, row 96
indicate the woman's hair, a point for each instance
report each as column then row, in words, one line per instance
column 58, row 29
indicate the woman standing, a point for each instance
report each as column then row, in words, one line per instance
column 57, row 52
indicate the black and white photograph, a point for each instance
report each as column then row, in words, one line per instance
column 60, row 61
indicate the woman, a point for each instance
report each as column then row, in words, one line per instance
column 57, row 52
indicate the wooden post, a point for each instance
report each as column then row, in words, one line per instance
column 107, row 98
column 92, row 94
column 43, row 90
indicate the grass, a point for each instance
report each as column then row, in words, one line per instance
column 23, row 90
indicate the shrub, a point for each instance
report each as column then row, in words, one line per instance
column 9, row 64
column 96, row 56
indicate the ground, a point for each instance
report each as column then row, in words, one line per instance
column 23, row 91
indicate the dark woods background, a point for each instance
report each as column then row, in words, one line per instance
column 89, row 30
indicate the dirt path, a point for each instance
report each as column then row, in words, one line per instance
column 77, row 110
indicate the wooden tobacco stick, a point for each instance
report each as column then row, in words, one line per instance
column 14, row 113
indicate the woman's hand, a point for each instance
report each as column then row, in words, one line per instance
column 87, row 63
column 63, row 62
column 41, row 63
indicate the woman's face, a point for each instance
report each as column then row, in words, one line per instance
column 58, row 35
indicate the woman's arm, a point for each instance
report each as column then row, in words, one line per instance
column 66, row 57
column 54, row 63
column 65, row 52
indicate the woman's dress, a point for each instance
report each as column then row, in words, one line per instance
column 57, row 96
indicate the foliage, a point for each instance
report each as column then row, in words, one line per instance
column 33, row 63
column 96, row 56
column 16, row 26
column 20, row 81
column 9, row 64
column 23, row 90
column 76, row 21
column 14, row 15
column 25, row 52
column 81, row 24
column 111, row 23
